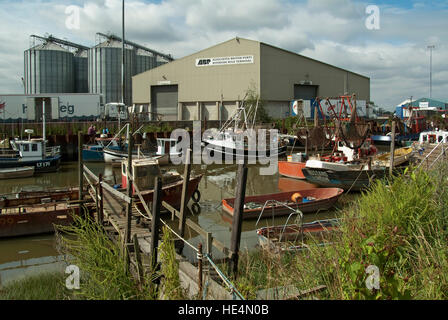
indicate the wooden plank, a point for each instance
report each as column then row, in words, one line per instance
column 116, row 193
column 90, row 173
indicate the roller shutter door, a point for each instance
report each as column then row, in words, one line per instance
column 164, row 100
column 305, row 92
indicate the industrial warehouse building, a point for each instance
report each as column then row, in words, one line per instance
column 211, row 83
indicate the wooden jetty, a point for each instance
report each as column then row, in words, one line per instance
column 128, row 218
column 137, row 229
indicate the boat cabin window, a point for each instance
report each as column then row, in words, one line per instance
column 25, row 147
column 34, row 147
column 440, row 138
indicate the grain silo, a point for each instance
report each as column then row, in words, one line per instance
column 104, row 69
column 80, row 61
column 144, row 61
column 48, row 69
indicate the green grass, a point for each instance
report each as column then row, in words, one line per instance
column 400, row 226
column 103, row 267
column 46, row 286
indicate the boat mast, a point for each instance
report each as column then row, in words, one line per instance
column 43, row 128
column 122, row 63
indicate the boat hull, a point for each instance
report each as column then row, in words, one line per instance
column 20, row 172
column 26, row 224
column 353, row 180
column 232, row 153
column 172, row 192
column 325, row 199
column 115, row 157
column 283, row 237
column 43, row 165
column 291, row 169
column 92, row 154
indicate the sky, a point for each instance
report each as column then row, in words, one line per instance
column 388, row 44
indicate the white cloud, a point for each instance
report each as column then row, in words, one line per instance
column 394, row 57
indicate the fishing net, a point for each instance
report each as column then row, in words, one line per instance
column 319, row 137
column 352, row 133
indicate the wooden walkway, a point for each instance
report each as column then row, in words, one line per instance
column 115, row 214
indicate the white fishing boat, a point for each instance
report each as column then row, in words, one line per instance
column 232, row 141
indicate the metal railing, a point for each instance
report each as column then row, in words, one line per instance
column 425, row 160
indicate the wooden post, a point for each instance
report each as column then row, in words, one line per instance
column 200, row 270
column 129, row 189
column 209, row 247
column 80, row 170
column 101, row 203
column 138, row 259
column 238, row 217
column 392, row 148
column 316, row 117
column 155, row 222
column 184, row 200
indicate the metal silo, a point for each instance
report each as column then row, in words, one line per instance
column 81, row 71
column 144, row 61
column 48, row 69
column 104, row 69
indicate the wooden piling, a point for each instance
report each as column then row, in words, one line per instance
column 238, row 217
column 184, row 200
column 101, row 203
column 200, row 270
column 129, row 189
column 392, row 148
column 80, row 170
column 138, row 259
column 155, row 222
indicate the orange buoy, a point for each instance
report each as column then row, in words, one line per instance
column 296, row 197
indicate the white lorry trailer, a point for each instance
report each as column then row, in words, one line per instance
column 58, row 106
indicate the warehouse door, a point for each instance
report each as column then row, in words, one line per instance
column 305, row 92
column 164, row 101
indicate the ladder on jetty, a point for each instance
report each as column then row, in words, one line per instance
column 430, row 155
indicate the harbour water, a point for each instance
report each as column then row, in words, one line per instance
column 28, row 255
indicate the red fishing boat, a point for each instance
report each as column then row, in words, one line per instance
column 291, row 169
column 145, row 170
column 30, row 213
column 280, row 204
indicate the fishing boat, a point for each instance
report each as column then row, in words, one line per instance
column 401, row 155
column 293, row 236
column 231, row 141
column 311, row 200
column 433, row 137
column 19, row 172
column 30, row 213
column 31, row 153
column 349, row 179
column 145, row 171
column 95, row 152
